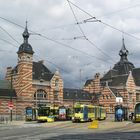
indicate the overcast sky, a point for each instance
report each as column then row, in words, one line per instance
column 77, row 60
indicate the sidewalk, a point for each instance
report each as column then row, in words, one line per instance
column 11, row 123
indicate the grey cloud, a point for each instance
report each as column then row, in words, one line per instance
column 54, row 19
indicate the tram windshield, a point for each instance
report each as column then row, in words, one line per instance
column 44, row 111
column 137, row 108
column 78, row 110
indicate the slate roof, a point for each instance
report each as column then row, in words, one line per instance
column 119, row 80
column 123, row 67
column 88, row 82
column 136, row 75
column 109, row 74
column 40, row 71
column 76, row 94
column 5, row 84
column 5, row 89
column 25, row 47
column 115, row 92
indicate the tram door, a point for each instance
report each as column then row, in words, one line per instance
column 85, row 113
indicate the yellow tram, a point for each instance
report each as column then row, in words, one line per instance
column 137, row 113
column 83, row 113
column 53, row 113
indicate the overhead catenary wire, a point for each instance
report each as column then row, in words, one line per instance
column 76, row 20
column 60, row 43
column 51, row 63
column 9, row 35
column 65, row 45
column 93, row 17
column 8, row 42
column 93, row 44
column 120, row 10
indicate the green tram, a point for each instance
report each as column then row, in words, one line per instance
column 45, row 114
column 84, row 113
column 137, row 113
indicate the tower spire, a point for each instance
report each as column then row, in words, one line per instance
column 123, row 52
column 25, row 47
column 26, row 33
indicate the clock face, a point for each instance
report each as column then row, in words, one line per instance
column 25, row 58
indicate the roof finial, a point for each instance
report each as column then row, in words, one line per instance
column 123, row 52
column 26, row 23
column 26, row 33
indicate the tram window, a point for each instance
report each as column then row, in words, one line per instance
column 138, row 108
column 90, row 110
column 43, row 111
column 93, row 110
column 78, row 110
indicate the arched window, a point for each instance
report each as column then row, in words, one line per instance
column 40, row 95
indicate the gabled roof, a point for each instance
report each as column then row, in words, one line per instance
column 109, row 74
column 76, row 94
column 136, row 75
column 118, row 80
column 40, row 71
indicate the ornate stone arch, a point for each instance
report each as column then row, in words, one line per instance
column 40, row 94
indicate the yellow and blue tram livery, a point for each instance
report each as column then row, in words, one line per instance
column 137, row 113
column 44, row 114
column 84, row 113
column 100, row 112
column 54, row 112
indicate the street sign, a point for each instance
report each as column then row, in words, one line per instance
column 10, row 105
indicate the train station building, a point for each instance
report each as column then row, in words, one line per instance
column 119, row 86
column 29, row 84
column 32, row 84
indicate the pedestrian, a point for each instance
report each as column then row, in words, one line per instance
column 132, row 115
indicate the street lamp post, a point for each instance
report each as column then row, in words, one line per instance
column 11, row 115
